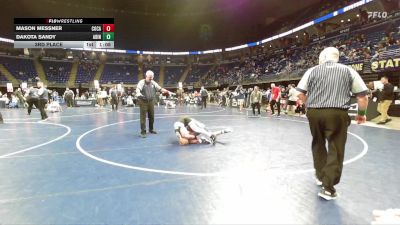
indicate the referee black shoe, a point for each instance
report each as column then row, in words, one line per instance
column 327, row 195
column 153, row 132
column 143, row 135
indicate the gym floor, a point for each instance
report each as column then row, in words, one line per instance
column 89, row 166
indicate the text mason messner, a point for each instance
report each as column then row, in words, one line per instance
column 39, row 28
column 35, row 37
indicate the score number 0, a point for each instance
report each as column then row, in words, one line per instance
column 108, row 27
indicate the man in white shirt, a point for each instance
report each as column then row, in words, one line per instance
column 292, row 99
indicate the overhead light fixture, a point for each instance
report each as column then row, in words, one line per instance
column 342, row 21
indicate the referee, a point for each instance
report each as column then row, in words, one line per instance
column 327, row 89
column 43, row 99
column 146, row 92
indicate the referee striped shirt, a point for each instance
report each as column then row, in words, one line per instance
column 330, row 85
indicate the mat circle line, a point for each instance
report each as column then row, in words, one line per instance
column 42, row 144
column 198, row 174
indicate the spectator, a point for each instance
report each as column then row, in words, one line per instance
column 275, row 99
column 385, row 100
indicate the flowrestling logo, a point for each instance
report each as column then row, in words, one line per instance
column 377, row 15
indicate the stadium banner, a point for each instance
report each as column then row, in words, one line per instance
column 385, row 65
column 357, row 66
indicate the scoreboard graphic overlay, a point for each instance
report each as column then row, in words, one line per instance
column 88, row 33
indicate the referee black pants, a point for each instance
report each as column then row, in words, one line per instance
column 31, row 103
column 114, row 102
column 203, row 101
column 328, row 125
column 146, row 107
column 69, row 101
column 42, row 105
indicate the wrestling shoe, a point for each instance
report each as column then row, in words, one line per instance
column 204, row 140
column 213, row 139
column 227, row 130
column 327, row 195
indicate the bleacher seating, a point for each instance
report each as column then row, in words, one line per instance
column 86, row 72
column 173, row 74
column 368, row 43
column 117, row 73
column 3, row 79
column 196, row 73
column 57, row 71
column 21, row 68
column 374, row 41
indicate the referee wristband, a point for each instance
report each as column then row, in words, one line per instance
column 362, row 112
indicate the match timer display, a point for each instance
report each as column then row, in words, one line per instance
column 88, row 33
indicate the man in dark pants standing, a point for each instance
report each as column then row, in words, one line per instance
column 69, row 97
column 114, row 97
column 327, row 89
column 43, row 99
column 255, row 100
column 204, row 97
column 32, row 98
column 386, row 96
column 146, row 92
